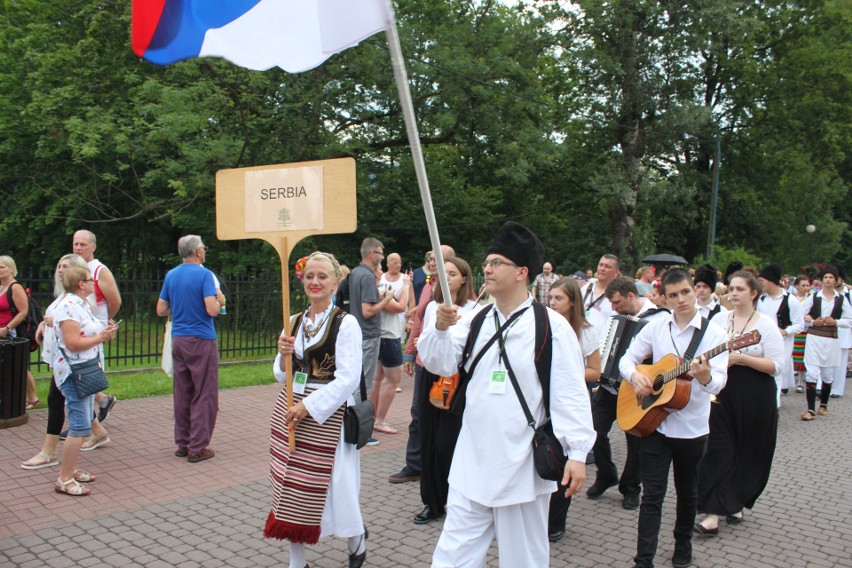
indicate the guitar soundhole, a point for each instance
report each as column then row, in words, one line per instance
column 658, row 384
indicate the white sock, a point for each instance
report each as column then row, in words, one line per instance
column 104, row 402
column 297, row 555
column 357, row 544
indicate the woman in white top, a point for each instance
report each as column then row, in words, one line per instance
column 316, row 487
column 46, row 336
column 79, row 335
column 744, row 420
column 566, row 300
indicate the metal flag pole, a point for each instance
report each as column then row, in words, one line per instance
column 401, row 77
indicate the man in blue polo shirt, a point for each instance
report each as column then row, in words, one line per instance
column 189, row 297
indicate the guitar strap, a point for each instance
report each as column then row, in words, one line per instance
column 697, row 336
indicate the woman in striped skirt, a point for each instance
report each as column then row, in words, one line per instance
column 315, row 488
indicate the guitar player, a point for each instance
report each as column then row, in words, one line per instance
column 681, row 437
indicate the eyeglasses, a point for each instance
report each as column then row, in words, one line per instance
column 89, row 280
column 378, row 252
column 496, row 262
column 203, row 247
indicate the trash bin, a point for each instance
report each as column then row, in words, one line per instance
column 14, row 362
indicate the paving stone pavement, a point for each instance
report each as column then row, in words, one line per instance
column 153, row 510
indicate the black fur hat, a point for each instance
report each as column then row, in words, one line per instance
column 706, row 273
column 520, row 245
column 772, row 273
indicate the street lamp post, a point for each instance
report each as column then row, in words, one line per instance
column 811, row 229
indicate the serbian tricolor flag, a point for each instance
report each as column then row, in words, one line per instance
column 295, row 35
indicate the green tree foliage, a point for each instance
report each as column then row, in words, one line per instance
column 593, row 123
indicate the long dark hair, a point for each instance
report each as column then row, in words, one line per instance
column 466, row 291
column 576, row 315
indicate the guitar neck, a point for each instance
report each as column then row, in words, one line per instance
column 684, row 365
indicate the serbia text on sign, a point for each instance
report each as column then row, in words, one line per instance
column 282, row 192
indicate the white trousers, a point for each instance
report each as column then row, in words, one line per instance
column 521, row 532
column 820, row 375
column 840, row 373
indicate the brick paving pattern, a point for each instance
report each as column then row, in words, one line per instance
column 151, row 509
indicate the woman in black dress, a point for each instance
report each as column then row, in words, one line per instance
column 744, row 419
column 439, row 429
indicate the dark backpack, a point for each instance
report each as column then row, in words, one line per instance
column 341, row 299
column 543, row 355
column 27, row 328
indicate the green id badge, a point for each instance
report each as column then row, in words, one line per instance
column 498, row 382
column 300, row 379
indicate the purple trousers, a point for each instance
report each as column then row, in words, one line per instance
column 196, row 388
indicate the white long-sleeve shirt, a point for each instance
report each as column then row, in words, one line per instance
column 662, row 337
column 769, row 306
column 492, row 463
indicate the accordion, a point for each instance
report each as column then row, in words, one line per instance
column 619, row 334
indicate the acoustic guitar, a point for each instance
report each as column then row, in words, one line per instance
column 672, row 386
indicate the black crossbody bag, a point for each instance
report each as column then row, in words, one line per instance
column 548, row 456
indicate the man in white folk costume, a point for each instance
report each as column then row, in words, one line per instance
column 494, row 488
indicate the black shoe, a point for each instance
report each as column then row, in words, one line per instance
column 734, row 520
column 599, row 488
column 103, row 413
column 426, row 516
column 555, row 536
column 630, row 502
column 404, row 475
column 785, row 391
column 357, row 560
column 700, row 530
column 63, row 435
column 682, row 555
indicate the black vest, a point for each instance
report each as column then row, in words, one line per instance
column 816, row 308
column 783, row 314
column 320, row 357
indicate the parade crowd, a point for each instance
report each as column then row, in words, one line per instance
column 692, row 364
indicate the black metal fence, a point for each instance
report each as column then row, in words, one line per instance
column 249, row 330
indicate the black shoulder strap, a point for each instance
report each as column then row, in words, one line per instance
column 11, row 300
column 653, row 311
column 543, row 351
column 697, row 336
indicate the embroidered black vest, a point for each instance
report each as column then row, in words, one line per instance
column 319, row 358
column 816, row 312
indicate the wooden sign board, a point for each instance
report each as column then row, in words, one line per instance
column 284, row 203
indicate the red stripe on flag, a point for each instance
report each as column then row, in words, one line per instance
column 144, row 21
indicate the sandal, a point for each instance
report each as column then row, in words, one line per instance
column 385, row 428
column 94, row 442
column 32, row 404
column 76, row 490
column 41, row 459
column 83, row 476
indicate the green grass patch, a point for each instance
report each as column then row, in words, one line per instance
column 156, row 383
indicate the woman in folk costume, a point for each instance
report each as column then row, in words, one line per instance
column 439, row 429
column 315, row 489
column 744, row 420
column 803, row 291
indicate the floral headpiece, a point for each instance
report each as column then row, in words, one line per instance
column 300, row 267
